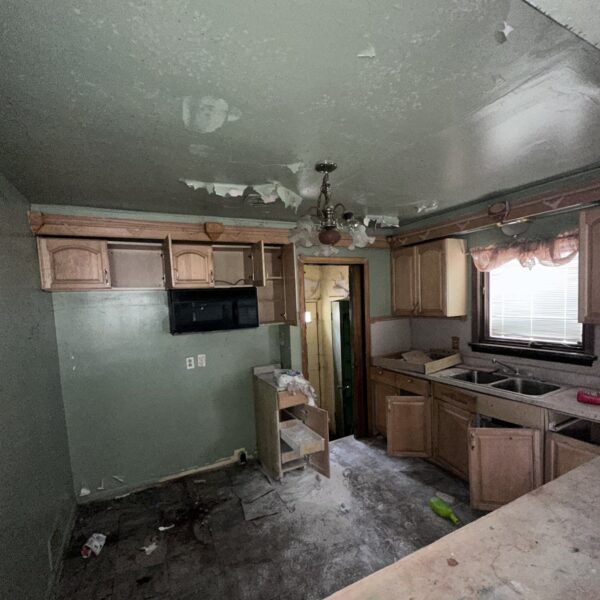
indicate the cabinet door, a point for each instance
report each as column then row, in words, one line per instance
column 503, row 465
column 564, row 453
column 258, row 264
column 189, row 265
column 73, row 264
column 404, row 281
column 408, row 426
column 432, row 279
column 381, row 392
column 451, row 437
column 589, row 266
column 288, row 259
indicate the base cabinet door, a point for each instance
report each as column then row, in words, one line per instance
column 504, row 464
column 381, row 393
column 564, row 454
column 451, row 437
column 408, row 426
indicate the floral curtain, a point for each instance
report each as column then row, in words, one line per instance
column 555, row 252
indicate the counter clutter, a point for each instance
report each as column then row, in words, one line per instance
column 543, row 545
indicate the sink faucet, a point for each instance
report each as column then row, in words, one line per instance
column 515, row 370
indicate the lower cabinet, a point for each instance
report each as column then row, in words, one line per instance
column 451, row 439
column 504, row 463
column 565, row 453
column 409, row 426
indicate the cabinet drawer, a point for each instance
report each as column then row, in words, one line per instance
column 383, row 376
column 286, row 399
column 455, row 397
column 510, row 411
column 412, row 384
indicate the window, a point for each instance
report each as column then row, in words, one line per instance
column 531, row 313
column 537, row 305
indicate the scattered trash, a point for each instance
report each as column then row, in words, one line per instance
column 119, row 478
column 150, row 548
column 347, row 472
column 94, row 545
column 368, row 52
column 440, row 508
column 446, row 497
column 166, row 527
column 84, row 492
column 294, row 382
column 452, row 562
column 344, row 509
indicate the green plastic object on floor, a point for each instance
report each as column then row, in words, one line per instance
column 439, row 507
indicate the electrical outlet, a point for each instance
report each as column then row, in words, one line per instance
column 189, row 362
column 201, row 360
column 455, row 342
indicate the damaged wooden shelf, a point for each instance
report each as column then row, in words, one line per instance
column 300, row 438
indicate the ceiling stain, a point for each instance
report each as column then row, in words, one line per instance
column 111, row 104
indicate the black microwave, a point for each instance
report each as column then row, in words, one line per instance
column 212, row 309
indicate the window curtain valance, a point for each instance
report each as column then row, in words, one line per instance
column 554, row 252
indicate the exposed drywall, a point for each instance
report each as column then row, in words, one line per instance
column 36, row 499
column 133, row 408
column 419, row 101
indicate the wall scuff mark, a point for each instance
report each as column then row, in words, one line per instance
column 207, row 114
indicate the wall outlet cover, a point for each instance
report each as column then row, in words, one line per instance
column 189, row 362
column 201, row 360
column 455, row 342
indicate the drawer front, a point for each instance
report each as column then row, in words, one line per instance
column 286, row 399
column 383, row 376
column 412, row 384
column 456, row 397
column 511, row 411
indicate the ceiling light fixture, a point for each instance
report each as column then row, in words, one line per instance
column 325, row 222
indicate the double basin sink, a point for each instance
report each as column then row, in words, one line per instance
column 518, row 385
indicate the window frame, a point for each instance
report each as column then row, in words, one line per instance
column 482, row 342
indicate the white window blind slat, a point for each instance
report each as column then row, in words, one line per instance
column 535, row 305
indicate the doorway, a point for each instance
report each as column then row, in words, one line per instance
column 335, row 339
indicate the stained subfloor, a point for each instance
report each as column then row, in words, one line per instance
column 237, row 536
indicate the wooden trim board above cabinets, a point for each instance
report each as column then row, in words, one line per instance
column 44, row 224
column 430, row 280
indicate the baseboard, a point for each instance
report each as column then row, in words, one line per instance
column 66, row 538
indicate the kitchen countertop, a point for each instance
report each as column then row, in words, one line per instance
column 544, row 545
column 563, row 400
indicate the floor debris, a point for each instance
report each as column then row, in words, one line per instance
column 150, row 548
column 94, row 545
column 265, row 506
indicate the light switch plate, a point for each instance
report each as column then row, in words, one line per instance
column 189, row 362
column 201, row 360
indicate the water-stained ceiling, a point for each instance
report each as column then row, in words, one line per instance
column 115, row 103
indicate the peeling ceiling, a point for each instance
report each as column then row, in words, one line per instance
column 424, row 104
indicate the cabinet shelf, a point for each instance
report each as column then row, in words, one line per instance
column 300, row 438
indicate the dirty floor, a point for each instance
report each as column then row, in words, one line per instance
column 232, row 534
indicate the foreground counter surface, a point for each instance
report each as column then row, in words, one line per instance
column 543, row 546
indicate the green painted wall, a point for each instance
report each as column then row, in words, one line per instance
column 35, row 493
column 133, row 408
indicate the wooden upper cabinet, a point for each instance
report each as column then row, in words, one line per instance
column 430, row 280
column 504, row 463
column 73, row 264
column 188, row 265
column 589, row 266
column 564, row 454
column 404, row 282
column 408, row 426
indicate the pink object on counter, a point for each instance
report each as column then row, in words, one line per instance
column 587, row 398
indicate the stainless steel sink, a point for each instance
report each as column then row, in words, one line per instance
column 527, row 387
column 482, row 377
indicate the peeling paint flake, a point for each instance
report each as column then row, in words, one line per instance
column 207, row 114
column 368, row 52
column 295, row 167
column 382, row 220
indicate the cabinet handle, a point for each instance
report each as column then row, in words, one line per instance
column 106, row 276
column 212, row 277
column 380, row 371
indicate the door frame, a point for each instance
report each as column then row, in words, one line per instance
column 365, row 428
